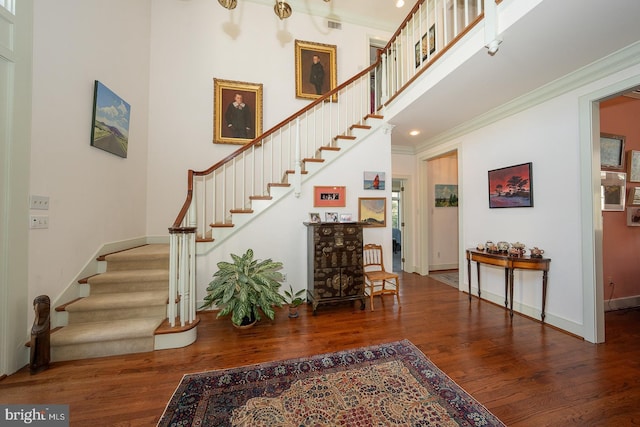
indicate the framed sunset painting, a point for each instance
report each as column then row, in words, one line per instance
column 511, row 187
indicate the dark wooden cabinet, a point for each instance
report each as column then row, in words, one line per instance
column 335, row 270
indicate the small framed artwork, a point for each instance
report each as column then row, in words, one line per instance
column 426, row 46
column 314, row 217
column 511, row 187
column 633, row 166
column 110, row 130
column 334, row 197
column 372, row 211
column 432, row 39
column 633, row 217
column 346, row 217
column 237, row 113
column 316, row 69
column 331, row 216
column 612, row 190
column 611, row 152
column 374, row 180
column 634, row 196
column 446, row 196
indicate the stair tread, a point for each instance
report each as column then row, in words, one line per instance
column 119, row 300
column 105, row 331
column 130, row 276
column 142, row 252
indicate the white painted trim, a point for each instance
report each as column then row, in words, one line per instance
column 175, row 340
column 622, row 303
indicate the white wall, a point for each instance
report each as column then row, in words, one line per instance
column 279, row 233
column 443, row 221
column 95, row 197
column 193, row 42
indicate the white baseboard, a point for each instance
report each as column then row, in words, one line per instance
column 622, row 303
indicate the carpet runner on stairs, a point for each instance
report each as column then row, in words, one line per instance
column 125, row 306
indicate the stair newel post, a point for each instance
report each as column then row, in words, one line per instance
column 297, row 177
column 173, row 275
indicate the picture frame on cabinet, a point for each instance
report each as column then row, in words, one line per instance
column 611, row 152
column 331, row 217
column 314, row 217
column 315, row 69
column 633, row 166
column 634, row 196
column 633, row 217
column 372, row 211
column 237, row 114
column 329, row 196
column 346, row 217
column 613, row 190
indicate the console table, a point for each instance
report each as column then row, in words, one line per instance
column 509, row 263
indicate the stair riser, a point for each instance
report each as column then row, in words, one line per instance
column 116, row 287
column 159, row 311
column 101, row 349
column 138, row 264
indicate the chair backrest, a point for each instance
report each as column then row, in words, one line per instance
column 372, row 257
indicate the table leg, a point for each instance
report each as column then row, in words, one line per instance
column 506, row 288
column 469, row 276
column 478, row 270
column 511, row 291
column 544, row 292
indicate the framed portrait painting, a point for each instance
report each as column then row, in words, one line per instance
column 316, row 69
column 511, row 187
column 237, row 112
column 110, row 130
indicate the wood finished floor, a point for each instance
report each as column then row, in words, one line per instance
column 526, row 373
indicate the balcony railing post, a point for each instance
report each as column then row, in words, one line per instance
column 385, row 82
column 297, row 176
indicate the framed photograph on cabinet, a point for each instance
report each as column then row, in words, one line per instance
column 329, row 197
column 372, row 211
column 634, row 196
column 611, row 152
column 633, row 217
column 331, row 216
column 633, row 167
column 316, row 69
column 237, row 114
column 314, row 217
column 612, row 190
column 511, row 187
column 346, row 217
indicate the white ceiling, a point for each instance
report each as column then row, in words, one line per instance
column 556, row 38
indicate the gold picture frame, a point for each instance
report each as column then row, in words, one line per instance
column 237, row 113
column 314, row 78
column 372, row 211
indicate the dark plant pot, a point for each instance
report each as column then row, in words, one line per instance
column 293, row 312
column 247, row 322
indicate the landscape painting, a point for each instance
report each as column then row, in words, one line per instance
column 446, row 195
column 111, row 114
column 374, row 180
column 372, row 211
column 511, row 187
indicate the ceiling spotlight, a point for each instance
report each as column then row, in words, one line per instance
column 282, row 9
column 228, row 4
column 399, row 3
column 414, row 133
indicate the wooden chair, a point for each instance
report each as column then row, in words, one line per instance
column 377, row 280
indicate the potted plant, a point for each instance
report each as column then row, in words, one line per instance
column 294, row 300
column 245, row 288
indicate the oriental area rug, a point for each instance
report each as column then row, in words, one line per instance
column 392, row 384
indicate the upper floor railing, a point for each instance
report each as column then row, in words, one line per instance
column 277, row 157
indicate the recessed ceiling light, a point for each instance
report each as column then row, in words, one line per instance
column 400, row 3
column 414, row 132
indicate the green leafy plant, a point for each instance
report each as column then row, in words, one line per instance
column 245, row 288
column 294, row 299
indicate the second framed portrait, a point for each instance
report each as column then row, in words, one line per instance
column 237, row 112
column 316, row 69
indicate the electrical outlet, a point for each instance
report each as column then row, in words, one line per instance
column 39, row 221
column 284, row 277
column 39, row 202
column 610, row 280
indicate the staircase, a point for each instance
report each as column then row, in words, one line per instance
column 125, row 307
